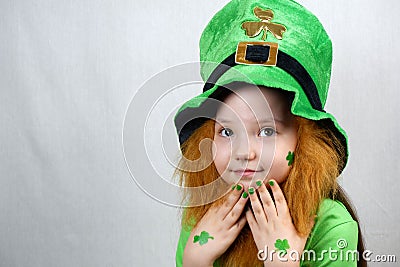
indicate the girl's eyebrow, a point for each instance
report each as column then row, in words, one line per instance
column 276, row 120
column 269, row 120
column 222, row 120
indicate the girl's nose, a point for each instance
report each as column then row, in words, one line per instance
column 245, row 150
column 250, row 155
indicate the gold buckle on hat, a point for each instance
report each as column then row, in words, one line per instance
column 241, row 53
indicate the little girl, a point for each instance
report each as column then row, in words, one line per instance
column 264, row 191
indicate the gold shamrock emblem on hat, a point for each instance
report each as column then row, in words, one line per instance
column 253, row 28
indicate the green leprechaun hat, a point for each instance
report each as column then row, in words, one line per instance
column 272, row 43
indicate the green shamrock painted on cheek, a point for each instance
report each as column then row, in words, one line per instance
column 202, row 238
column 290, row 157
column 282, row 246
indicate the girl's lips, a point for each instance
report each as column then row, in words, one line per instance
column 246, row 172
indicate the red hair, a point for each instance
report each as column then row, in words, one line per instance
column 317, row 164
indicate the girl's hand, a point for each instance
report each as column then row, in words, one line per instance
column 216, row 231
column 272, row 227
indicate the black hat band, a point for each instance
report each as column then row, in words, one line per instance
column 259, row 54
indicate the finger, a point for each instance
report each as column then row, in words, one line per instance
column 232, row 217
column 267, row 202
column 280, row 201
column 251, row 220
column 238, row 226
column 231, row 199
column 257, row 207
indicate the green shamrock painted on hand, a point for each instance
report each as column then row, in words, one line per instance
column 282, row 246
column 290, row 157
column 202, row 238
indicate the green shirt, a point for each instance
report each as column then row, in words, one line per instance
column 332, row 241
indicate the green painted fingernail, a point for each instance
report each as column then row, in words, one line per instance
column 238, row 187
column 251, row 190
column 245, row 194
column 271, row 183
column 233, row 187
column 258, row 183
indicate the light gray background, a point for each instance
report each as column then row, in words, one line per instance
column 68, row 70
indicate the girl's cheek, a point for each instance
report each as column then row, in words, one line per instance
column 280, row 166
column 279, row 171
column 221, row 155
column 268, row 154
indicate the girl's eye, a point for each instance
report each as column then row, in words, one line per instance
column 267, row 131
column 226, row 132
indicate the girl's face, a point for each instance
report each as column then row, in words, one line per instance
column 254, row 133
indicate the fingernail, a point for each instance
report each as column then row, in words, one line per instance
column 238, row 187
column 233, row 187
column 245, row 194
column 258, row 183
column 271, row 183
column 251, row 190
